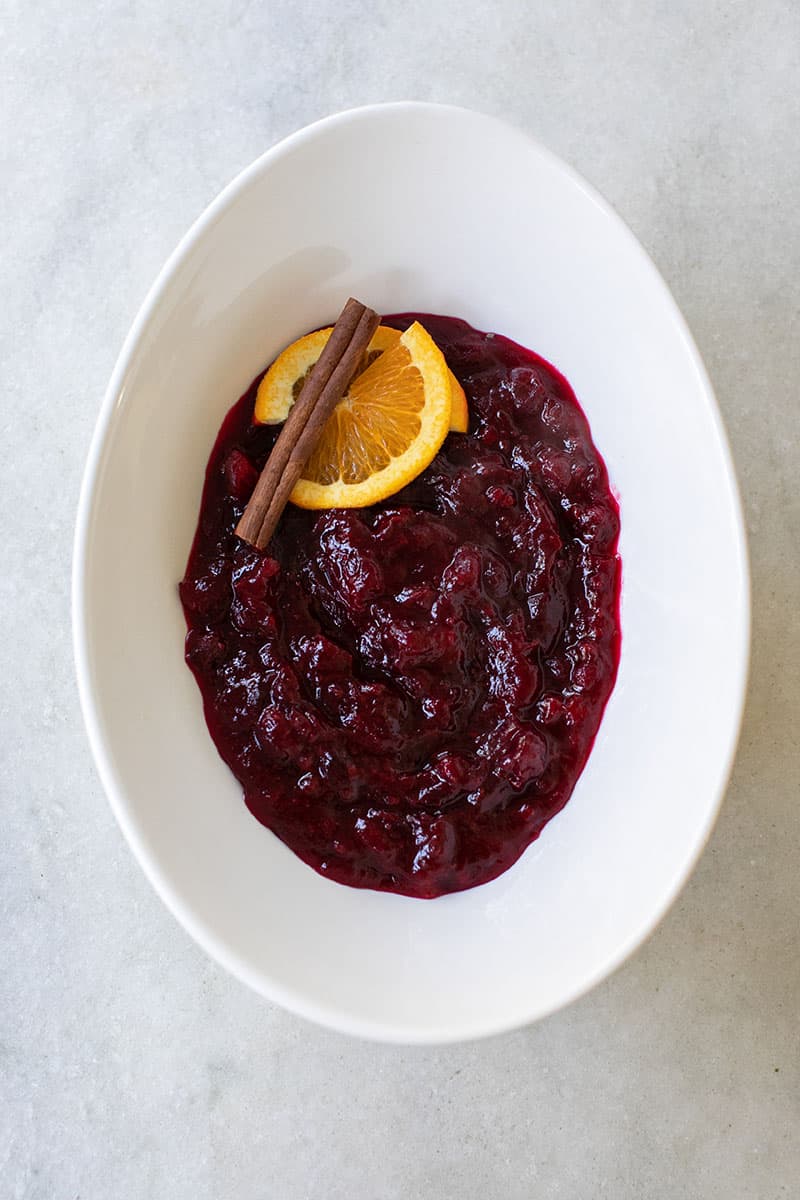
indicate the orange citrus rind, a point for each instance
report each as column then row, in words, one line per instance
column 386, row 429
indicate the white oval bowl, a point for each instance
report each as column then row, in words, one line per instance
column 416, row 206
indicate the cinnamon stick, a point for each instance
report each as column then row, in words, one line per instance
column 324, row 387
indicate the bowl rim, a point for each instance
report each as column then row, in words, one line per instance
column 327, row 1015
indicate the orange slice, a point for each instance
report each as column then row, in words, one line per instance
column 384, row 431
column 281, row 385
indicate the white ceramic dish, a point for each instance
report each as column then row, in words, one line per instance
column 469, row 217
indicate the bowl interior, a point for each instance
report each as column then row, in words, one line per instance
column 471, row 218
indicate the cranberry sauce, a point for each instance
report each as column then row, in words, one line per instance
column 408, row 693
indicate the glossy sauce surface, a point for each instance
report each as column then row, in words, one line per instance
column 408, row 693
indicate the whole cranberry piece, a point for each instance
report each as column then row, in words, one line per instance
column 240, row 475
column 516, row 751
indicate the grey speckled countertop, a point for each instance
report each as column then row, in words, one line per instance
column 131, row 1066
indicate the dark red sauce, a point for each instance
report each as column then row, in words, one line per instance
column 408, row 693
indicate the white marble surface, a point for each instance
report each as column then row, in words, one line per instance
column 132, row 1067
